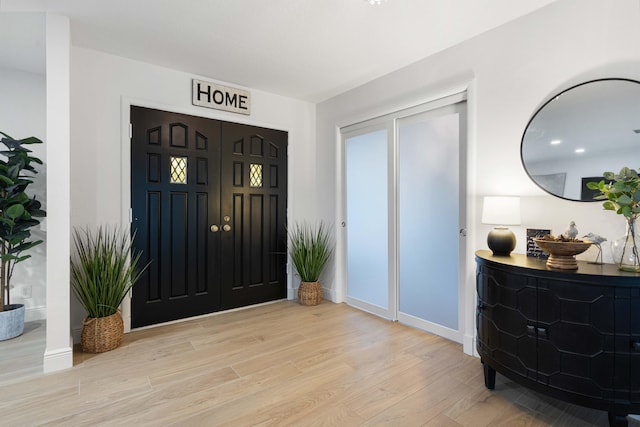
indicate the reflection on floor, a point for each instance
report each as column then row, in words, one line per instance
column 21, row 357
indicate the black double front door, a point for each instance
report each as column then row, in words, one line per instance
column 208, row 205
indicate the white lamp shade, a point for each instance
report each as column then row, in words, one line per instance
column 501, row 210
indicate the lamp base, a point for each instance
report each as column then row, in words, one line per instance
column 501, row 241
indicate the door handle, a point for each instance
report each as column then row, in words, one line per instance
column 226, row 227
column 214, row 228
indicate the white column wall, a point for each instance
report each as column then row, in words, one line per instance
column 104, row 86
column 58, row 353
column 510, row 72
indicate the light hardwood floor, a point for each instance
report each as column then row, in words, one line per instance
column 21, row 357
column 277, row 364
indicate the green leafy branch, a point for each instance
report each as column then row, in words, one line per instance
column 620, row 192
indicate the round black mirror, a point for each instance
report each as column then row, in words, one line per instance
column 580, row 133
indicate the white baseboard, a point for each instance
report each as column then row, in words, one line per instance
column 469, row 345
column 329, row 294
column 58, row 359
column 76, row 334
column 35, row 313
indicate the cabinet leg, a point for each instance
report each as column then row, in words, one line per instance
column 489, row 376
column 618, row 420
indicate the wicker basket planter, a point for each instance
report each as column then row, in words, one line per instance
column 102, row 333
column 310, row 248
column 310, row 293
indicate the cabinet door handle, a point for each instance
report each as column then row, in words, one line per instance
column 531, row 330
column 542, row 332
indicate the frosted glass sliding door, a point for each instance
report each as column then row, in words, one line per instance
column 404, row 209
column 428, row 219
column 366, row 165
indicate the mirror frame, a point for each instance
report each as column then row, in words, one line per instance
column 537, row 112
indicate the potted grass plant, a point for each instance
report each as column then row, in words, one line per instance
column 18, row 215
column 310, row 249
column 103, row 269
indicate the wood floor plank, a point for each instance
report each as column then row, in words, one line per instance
column 278, row 364
column 274, row 405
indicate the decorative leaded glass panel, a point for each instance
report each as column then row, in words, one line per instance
column 178, row 171
column 255, row 175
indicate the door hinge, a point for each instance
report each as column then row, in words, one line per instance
column 130, row 131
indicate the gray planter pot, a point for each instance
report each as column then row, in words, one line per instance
column 12, row 322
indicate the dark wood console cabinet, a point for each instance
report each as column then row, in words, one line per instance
column 573, row 335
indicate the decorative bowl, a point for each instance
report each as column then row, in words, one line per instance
column 562, row 255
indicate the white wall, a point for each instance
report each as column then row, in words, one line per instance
column 510, row 72
column 23, row 114
column 103, row 86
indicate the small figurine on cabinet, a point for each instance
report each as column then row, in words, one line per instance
column 597, row 240
column 572, row 231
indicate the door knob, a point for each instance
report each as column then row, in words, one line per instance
column 214, row 228
column 226, row 227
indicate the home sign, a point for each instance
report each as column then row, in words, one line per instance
column 211, row 95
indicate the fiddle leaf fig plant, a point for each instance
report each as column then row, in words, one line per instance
column 620, row 192
column 18, row 210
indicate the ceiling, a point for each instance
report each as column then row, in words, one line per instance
column 303, row 49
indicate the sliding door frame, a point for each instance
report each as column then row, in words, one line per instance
column 389, row 121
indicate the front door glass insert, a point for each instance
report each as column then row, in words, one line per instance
column 178, row 172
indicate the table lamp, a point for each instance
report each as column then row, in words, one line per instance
column 501, row 211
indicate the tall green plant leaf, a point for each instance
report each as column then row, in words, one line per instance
column 310, row 249
column 103, row 268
